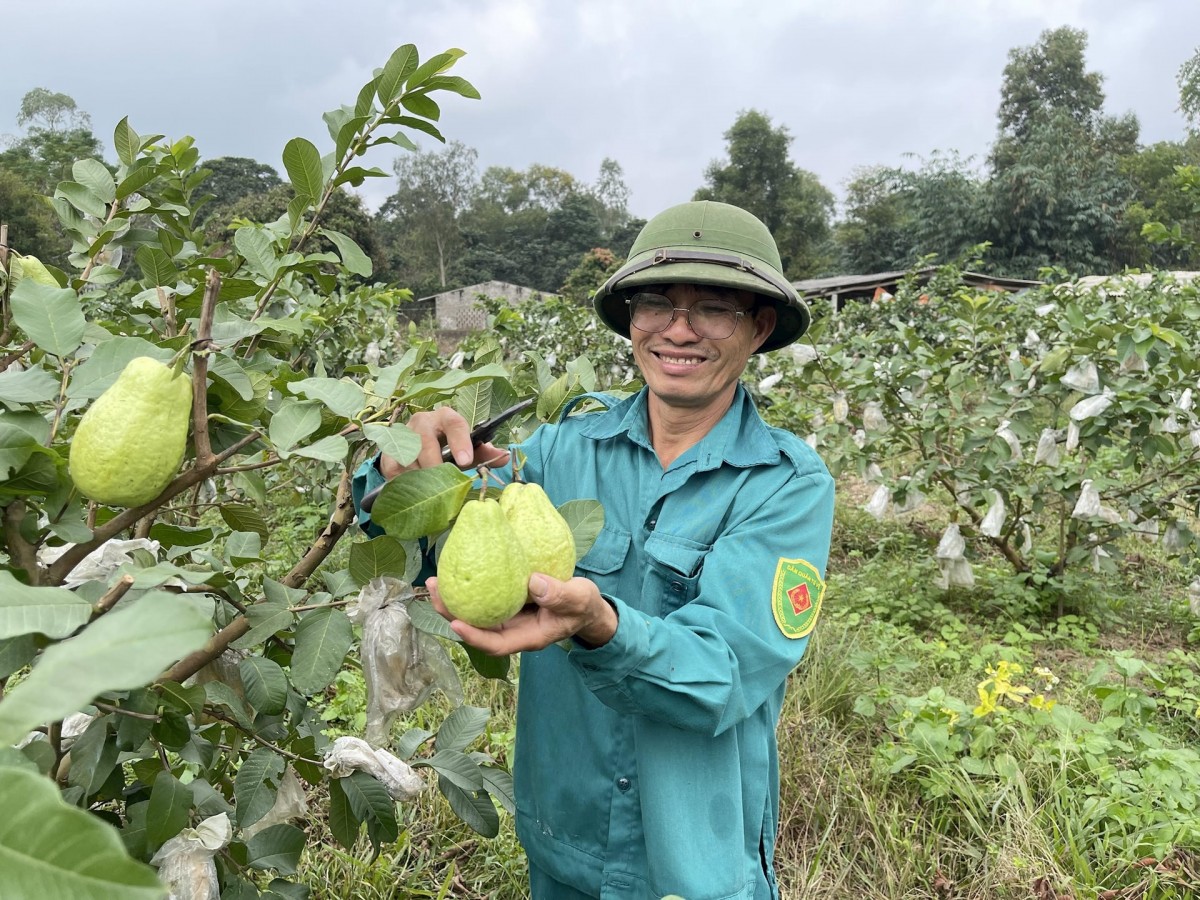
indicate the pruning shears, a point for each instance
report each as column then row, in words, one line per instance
column 480, row 434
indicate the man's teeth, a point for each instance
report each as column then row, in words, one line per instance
column 682, row 360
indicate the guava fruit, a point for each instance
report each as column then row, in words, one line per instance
column 542, row 531
column 483, row 573
column 131, row 440
column 31, row 267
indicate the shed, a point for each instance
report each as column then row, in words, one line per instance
column 839, row 289
column 455, row 311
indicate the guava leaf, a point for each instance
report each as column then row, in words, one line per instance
column 586, row 519
column 421, row 502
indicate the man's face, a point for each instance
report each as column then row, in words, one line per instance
column 686, row 371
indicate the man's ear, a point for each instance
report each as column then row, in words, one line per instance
column 764, row 324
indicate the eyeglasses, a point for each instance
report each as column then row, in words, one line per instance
column 712, row 319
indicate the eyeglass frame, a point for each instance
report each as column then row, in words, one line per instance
column 738, row 314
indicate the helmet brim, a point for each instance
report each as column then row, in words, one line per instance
column 792, row 316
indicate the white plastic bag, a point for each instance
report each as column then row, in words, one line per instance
column 912, row 500
column 185, row 862
column 101, row 562
column 1072, row 437
column 1083, row 377
column 873, row 418
column 290, row 803
column 951, row 546
column 1088, row 504
column 349, row 754
column 769, row 382
column 1009, row 437
column 1047, row 449
column 1194, row 597
column 1091, row 407
column 841, row 408
column 880, row 502
column 993, row 520
column 402, row 665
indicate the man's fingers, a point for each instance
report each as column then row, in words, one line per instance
column 438, row 428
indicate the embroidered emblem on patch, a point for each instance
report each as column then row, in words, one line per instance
column 796, row 597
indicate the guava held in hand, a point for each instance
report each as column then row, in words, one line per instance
column 543, row 532
column 483, row 573
column 131, row 440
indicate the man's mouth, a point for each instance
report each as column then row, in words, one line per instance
column 678, row 359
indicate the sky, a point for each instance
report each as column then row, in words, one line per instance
column 653, row 84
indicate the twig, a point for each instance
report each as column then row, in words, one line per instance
column 16, row 354
column 121, row 711
column 112, row 595
column 200, row 347
column 262, row 742
column 19, row 549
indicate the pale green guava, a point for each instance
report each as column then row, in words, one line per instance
column 483, row 573
column 541, row 529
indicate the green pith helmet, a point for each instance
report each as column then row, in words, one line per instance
column 705, row 242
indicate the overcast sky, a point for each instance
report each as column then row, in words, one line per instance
column 651, row 84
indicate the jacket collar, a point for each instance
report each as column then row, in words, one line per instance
column 740, row 438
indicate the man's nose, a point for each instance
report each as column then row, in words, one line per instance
column 679, row 320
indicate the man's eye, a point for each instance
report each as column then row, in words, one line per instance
column 714, row 309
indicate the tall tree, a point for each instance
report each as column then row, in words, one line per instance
column 612, row 195
column 57, row 134
column 759, row 176
column 1189, row 91
column 421, row 219
column 1049, row 78
column 32, row 227
column 1058, row 190
column 46, row 110
column 231, row 178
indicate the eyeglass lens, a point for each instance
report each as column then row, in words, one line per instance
column 712, row 319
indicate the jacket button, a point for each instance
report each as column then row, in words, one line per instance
column 652, row 523
column 623, row 784
column 677, row 586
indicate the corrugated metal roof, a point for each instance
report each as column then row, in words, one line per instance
column 846, row 286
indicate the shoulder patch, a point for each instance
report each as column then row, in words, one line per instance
column 796, row 597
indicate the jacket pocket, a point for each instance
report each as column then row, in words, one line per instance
column 608, row 554
column 673, row 576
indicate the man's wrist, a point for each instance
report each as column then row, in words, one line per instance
column 601, row 629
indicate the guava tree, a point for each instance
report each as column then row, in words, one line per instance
column 1053, row 422
column 160, row 683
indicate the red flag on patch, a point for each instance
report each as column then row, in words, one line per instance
column 801, row 601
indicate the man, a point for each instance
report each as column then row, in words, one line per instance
column 646, row 759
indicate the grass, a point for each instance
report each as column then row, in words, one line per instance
column 1053, row 820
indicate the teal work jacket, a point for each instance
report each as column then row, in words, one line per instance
column 649, row 766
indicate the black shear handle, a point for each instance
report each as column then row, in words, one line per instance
column 480, row 434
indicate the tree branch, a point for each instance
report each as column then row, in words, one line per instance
column 20, row 550
column 200, row 347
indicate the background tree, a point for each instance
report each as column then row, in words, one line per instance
column 419, row 223
column 233, row 177
column 759, row 176
column 1058, row 190
column 612, row 195
column 31, row 225
column 57, row 134
column 1189, row 91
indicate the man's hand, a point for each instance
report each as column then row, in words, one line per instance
column 444, row 427
column 556, row 610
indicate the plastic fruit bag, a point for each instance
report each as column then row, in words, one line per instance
column 402, row 665
column 878, row 505
column 1092, row 406
column 993, row 520
column 1047, row 449
column 1088, row 504
column 1083, row 377
column 350, row 754
column 290, row 803
column 185, row 862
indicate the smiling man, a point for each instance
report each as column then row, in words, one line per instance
column 651, row 682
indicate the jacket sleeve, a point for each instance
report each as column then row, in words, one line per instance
column 713, row 661
column 367, row 478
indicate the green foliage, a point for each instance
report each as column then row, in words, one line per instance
column 1049, row 448
column 198, row 656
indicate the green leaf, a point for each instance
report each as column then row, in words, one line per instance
column 370, row 803
column 461, row 727
column 420, row 105
column 167, row 814
column 277, row 847
column 126, row 142
column 344, row 825
column 51, row 317
column 52, row 611
column 398, row 441
column 553, row 398
column 486, row 665
column 254, row 787
column 323, row 638
column 342, row 396
column 586, row 520
column 352, row 256
column 427, row 619
column 30, row 386
column 455, row 766
column 94, row 176
column 266, row 684
column 453, row 83
column 253, row 242
column 51, row 849
column 93, row 757
column 499, row 784
column 401, row 64
column 221, row 694
column 333, row 448
column 229, row 371
column 125, row 649
column 265, row 620
column 383, row 555
column 447, row 382
column 421, row 502
column 82, row 198
column 437, row 63
column 158, row 270
column 140, row 174
column 475, row 808
column 295, row 420
column 16, row 653
column 16, row 446
column 303, row 163
column 240, row 517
